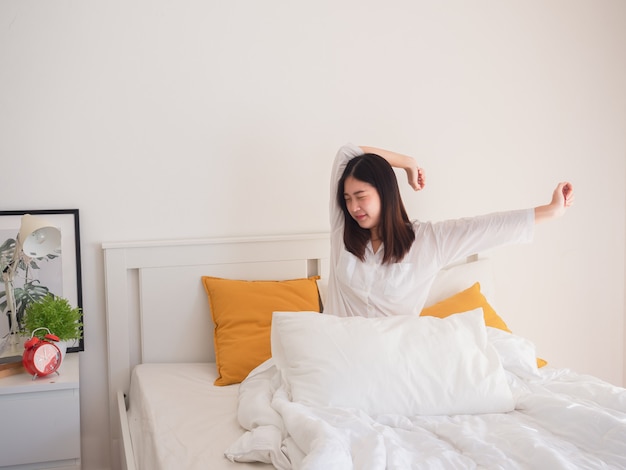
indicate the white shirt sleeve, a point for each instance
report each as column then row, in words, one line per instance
column 344, row 155
column 452, row 240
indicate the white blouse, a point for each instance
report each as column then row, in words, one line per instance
column 372, row 289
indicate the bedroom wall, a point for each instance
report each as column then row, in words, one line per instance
column 187, row 119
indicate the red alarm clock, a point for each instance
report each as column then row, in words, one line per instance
column 41, row 356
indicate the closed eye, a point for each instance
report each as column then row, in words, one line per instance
column 358, row 195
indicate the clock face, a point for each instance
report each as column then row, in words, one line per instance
column 47, row 358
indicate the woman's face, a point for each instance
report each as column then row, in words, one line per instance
column 363, row 202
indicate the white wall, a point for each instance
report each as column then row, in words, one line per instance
column 175, row 119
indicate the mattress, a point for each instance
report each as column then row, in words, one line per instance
column 179, row 420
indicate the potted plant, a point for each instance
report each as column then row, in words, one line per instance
column 56, row 314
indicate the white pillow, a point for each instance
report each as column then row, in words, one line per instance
column 517, row 354
column 454, row 279
column 406, row 365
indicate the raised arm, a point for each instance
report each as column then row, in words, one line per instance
column 562, row 198
column 415, row 175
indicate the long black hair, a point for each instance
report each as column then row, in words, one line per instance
column 395, row 228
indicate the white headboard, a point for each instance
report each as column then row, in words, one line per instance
column 156, row 306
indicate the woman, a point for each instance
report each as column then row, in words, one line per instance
column 382, row 263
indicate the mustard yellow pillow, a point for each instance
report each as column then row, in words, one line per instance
column 242, row 314
column 465, row 301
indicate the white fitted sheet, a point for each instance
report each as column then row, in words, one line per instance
column 180, row 421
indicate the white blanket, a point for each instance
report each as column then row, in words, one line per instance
column 561, row 420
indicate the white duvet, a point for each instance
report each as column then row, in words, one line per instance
column 561, row 420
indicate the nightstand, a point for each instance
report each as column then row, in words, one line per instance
column 40, row 419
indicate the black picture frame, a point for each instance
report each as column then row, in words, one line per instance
column 70, row 285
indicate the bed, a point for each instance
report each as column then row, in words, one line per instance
column 498, row 406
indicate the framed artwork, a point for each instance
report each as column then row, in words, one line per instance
column 59, row 274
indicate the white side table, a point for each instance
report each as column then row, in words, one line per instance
column 41, row 419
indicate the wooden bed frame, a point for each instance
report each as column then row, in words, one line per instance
column 157, row 309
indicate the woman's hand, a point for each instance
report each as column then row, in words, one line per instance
column 416, row 177
column 562, row 198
